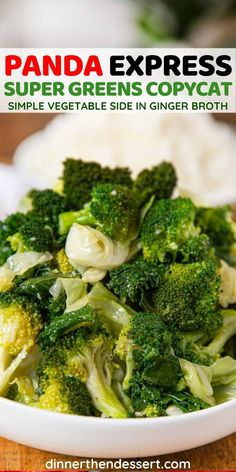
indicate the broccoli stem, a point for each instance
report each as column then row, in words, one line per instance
column 67, row 219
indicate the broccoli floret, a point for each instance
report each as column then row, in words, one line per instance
column 166, row 227
column 47, row 205
column 218, row 224
column 85, row 316
column 87, row 357
column 78, row 180
column 20, row 323
column 134, row 282
column 159, row 181
column 38, row 230
column 66, row 394
column 145, row 346
column 117, row 176
column 8, row 227
column 196, row 249
column 196, row 347
column 80, row 177
column 33, row 235
column 190, row 346
column 188, row 295
column 152, row 349
column 112, row 209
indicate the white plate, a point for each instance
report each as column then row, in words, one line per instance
column 110, row 438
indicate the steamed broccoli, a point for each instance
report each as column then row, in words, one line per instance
column 166, row 227
column 218, row 224
column 159, row 181
column 8, row 227
column 113, row 296
column 80, row 177
column 196, row 249
column 152, row 351
column 198, row 348
column 87, row 357
column 66, row 394
column 187, row 297
column 33, row 235
column 112, row 209
column 38, row 230
column 150, row 401
column 63, row 394
column 144, row 345
column 191, row 346
column 134, row 282
column 20, row 323
column 47, row 205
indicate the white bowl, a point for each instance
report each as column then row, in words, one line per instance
column 110, row 438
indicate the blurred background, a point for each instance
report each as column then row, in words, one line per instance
column 117, row 23
column 201, row 147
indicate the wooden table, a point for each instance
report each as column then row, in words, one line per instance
column 220, row 455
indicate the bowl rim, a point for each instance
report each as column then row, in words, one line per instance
column 185, row 417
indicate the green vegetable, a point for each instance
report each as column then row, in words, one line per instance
column 218, row 224
column 112, row 209
column 111, row 294
column 33, row 235
column 167, row 226
column 79, row 178
column 66, row 394
column 187, row 297
column 20, row 323
column 135, row 281
column 159, row 181
column 8, row 227
column 64, row 323
column 86, row 357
